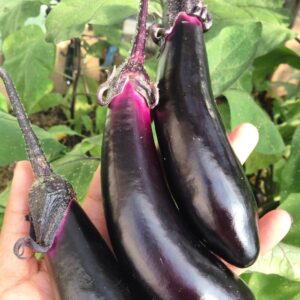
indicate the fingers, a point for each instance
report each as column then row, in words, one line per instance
column 15, row 226
column 93, row 206
column 273, row 227
column 243, row 140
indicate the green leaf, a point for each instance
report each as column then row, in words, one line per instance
column 274, row 18
column 292, row 205
column 100, row 118
column 4, row 196
column 59, row 132
column 101, row 12
column 78, row 170
column 224, row 111
column 12, row 144
column 13, row 14
column 48, row 101
column 87, row 123
column 3, row 103
column 244, row 109
column 291, row 172
column 266, row 65
column 273, row 287
column 273, row 35
column 30, row 61
column 283, row 260
column 258, row 161
column 230, row 53
column 90, row 145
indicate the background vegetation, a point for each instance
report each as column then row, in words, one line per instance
column 245, row 46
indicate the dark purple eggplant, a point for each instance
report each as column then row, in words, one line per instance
column 205, row 177
column 162, row 258
column 83, row 265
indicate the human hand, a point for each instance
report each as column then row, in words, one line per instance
column 31, row 278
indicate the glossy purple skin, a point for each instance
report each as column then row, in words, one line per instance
column 203, row 173
column 82, row 264
column 155, row 248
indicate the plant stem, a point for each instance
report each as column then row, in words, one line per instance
column 138, row 50
column 77, row 76
column 35, row 153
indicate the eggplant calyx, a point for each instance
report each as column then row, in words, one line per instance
column 133, row 72
column 49, row 202
column 19, row 247
column 201, row 12
column 157, row 33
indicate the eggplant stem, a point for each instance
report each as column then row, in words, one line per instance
column 138, row 50
column 35, row 153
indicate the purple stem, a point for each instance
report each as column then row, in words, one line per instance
column 36, row 155
column 138, row 50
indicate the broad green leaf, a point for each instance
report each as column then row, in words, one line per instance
column 273, row 35
column 244, row 109
column 30, row 61
column 224, row 111
column 3, row 200
column 3, row 103
column 59, row 132
column 274, row 18
column 4, row 197
column 266, row 65
column 90, row 145
column 112, row 33
column 48, row 101
column 100, row 118
column 12, row 145
column 283, row 260
column 13, row 13
column 78, row 170
column 244, row 83
column 291, row 172
column 292, row 205
column 75, row 14
column 258, row 161
column 273, row 287
column 230, row 53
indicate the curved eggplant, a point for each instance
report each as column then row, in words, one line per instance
column 83, row 265
column 204, row 175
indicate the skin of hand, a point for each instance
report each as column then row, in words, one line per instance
column 31, row 278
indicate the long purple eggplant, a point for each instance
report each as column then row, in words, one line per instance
column 83, row 265
column 203, row 173
column 164, row 260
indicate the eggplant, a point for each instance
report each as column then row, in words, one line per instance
column 204, row 176
column 82, row 264
column 162, row 258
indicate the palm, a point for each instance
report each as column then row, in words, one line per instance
column 32, row 279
